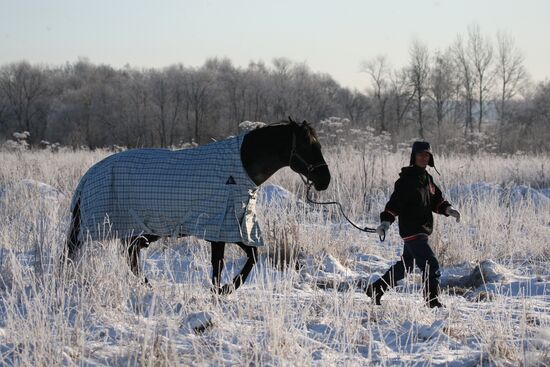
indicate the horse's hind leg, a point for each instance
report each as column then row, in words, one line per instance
column 135, row 244
column 217, row 254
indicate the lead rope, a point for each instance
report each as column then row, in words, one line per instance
column 308, row 184
column 339, row 205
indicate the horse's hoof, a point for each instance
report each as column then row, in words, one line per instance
column 226, row 289
column 222, row 291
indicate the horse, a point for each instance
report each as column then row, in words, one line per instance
column 262, row 152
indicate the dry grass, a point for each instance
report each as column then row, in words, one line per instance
column 103, row 315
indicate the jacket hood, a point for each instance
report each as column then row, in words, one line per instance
column 422, row 146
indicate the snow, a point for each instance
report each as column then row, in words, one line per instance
column 44, row 191
column 400, row 332
column 317, row 314
column 515, row 193
column 486, row 271
column 198, row 322
column 332, row 265
column 250, row 125
column 271, row 194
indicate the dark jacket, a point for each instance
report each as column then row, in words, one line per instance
column 414, row 198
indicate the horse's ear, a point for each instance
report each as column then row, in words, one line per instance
column 292, row 122
column 304, row 123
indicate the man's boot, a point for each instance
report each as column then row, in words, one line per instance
column 376, row 290
column 431, row 294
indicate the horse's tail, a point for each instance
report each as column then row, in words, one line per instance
column 72, row 244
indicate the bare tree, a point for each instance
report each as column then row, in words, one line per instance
column 480, row 51
column 258, row 80
column 441, row 87
column 197, row 84
column 509, row 70
column 419, row 69
column 379, row 70
column 25, row 88
column 138, row 105
column 355, row 105
column 159, row 95
column 176, row 75
column 312, row 95
column 532, row 114
column 280, row 87
column 97, row 105
column 167, row 97
column 466, row 80
column 539, row 130
column 3, row 111
column 401, row 95
column 234, row 87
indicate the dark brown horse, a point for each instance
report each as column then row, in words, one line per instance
column 263, row 152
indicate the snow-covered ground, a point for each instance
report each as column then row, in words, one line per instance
column 314, row 315
column 311, row 311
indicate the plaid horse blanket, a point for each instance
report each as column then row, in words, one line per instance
column 204, row 191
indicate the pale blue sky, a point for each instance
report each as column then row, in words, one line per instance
column 331, row 36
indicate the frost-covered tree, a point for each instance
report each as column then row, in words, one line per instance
column 480, row 52
column 419, row 71
column 466, row 80
column 25, row 90
column 378, row 69
column 510, row 71
column 441, row 86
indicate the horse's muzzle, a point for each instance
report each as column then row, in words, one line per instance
column 321, row 178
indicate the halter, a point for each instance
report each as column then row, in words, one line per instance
column 309, row 167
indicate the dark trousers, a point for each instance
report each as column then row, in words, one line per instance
column 417, row 252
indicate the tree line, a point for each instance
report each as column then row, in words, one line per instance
column 477, row 88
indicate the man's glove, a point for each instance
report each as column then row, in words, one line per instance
column 453, row 213
column 383, row 228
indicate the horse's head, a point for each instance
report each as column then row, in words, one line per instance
column 306, row 156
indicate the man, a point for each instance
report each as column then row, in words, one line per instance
column 414, row 198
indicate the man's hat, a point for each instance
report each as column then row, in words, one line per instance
column 422, row 146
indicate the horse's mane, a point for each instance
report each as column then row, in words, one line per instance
column 311, row 133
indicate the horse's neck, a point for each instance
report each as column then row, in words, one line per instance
column 265, row 151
